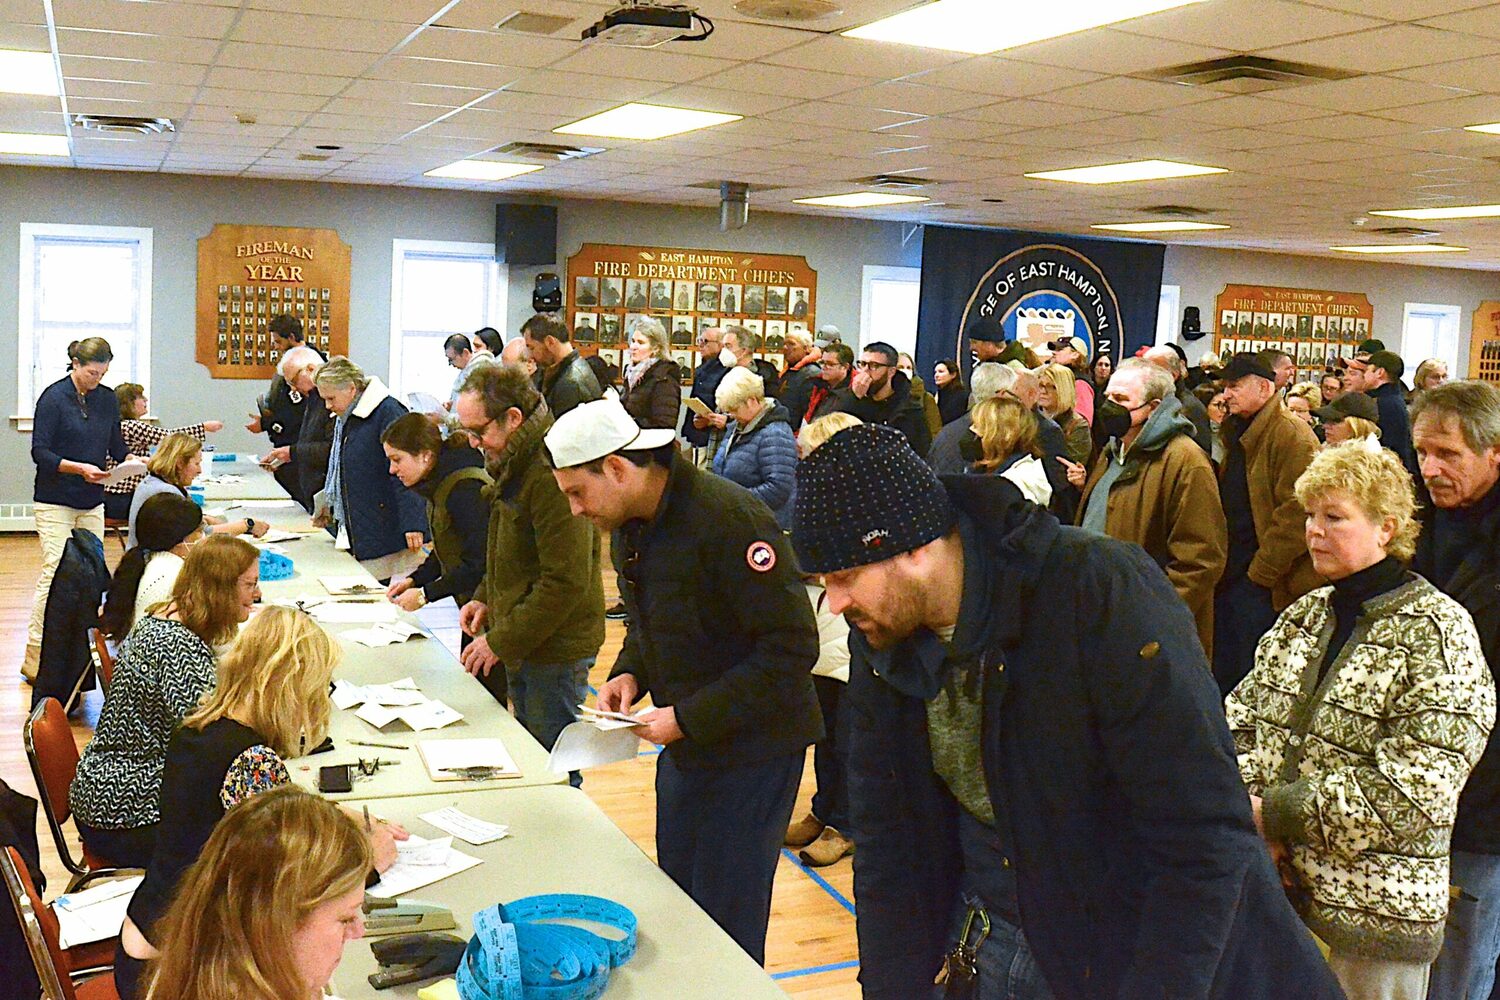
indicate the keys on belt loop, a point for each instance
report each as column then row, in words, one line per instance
column 959, row 976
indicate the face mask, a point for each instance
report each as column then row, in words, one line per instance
column 728, row 358
column 971, row 448
column 1113, row 419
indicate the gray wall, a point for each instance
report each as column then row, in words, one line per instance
column 1202, row 274
column 180, row 210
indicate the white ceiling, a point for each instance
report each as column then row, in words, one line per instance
column 408, row 85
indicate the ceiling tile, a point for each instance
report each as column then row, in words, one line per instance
column 413, row 93
column 1393, row 47
column 26, row 37
column 1397, row 10
column 451, row 74
column 1005, row 78
column 120, row 90
column 558, row 84
column 1246, row 25
column 861, row 57
column 633, row 64
column 1479, row 20
column 1365, row 93
column 121, row 45
column 730, row 102
column 1113, row 52
column 496, row 48
column 1456, row 113
column 1121, row 94
column 1344, row 127
column 808, row 84
column 296, row 59
column 257, row 100
column 337, row 33
column 239, row 78
column 134, row 70
column 144, row 16
column 912, row 98
column 1034, row 114
column 402, row 11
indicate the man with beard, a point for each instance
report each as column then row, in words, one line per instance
column 537, row 617
column 881, row 394
column 1058, row 809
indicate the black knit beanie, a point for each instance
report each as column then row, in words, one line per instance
column 865, row 496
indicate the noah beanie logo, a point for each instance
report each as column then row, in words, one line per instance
column 875, row 539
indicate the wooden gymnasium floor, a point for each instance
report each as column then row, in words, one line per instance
column 811, row 946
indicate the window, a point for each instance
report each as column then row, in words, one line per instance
column 1168, row 325
column 76, row 282
column 1429, row 331
column 439, row 289
column 888, row 306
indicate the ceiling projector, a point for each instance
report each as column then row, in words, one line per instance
column 647, row 25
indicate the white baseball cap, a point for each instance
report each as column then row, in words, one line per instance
column 590, row 431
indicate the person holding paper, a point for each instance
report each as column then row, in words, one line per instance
column 307, row 454
column 177, row 462
column 75, row 430
column 282, row 409
column 301, row 863
column 720, row 634
column 140, row 437
column 537, row 618
column 270, row 705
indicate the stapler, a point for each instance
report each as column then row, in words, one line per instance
column 411, row 958
column 402, row 916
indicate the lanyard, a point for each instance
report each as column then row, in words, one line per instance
column 517, row 954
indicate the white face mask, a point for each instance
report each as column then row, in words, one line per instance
column 728, row 358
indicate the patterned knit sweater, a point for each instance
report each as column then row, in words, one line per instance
column 1360, row 774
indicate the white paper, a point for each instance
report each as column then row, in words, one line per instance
column 420, row 851
column 697, row 406
column 352, row 613
column 377, row 715
column 583, row 745
column 353, row 584
column 404, row 877
column 422, row 402
column 95, row 914
column 383, row 635
column 346, row 695
column 476, row 752
column 266, row 503
column 124, row 471
column 219, row 480
column 452, row 820
column 429, row 715
column 273, row 535
column 610, row 720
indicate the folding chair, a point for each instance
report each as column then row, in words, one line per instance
column 104, row 660
column 55, row 966
column 117, row 526
column 54, row 761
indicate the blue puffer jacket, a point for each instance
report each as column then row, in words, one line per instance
column 379, row 509
column 763, row 459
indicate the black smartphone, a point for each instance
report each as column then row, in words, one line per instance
column 334, row 778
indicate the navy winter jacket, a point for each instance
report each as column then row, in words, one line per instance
column 1139, row 874
column 763, row 459
column 379, row 509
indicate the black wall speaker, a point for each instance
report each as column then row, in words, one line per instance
column 525, row 234
column 1192, row 326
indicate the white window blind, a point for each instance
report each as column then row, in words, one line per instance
column 888, row 307
column 439, row 289
column 77, row 282
column 1429, row 331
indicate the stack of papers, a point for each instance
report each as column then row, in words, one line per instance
column 276, row 535
column 354, row 612
column 383, row 634
column 124, row 471
column 610, row 720
column 94, row 914
column 347, row 585
column 230, row 480
column 452, row 820
column 586, row 744
column 382, row 704
column 420, row 862
column 446, row 759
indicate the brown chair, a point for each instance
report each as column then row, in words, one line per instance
column 104, row 661
column 56, row 966
column 118, row 527
column 54, row 761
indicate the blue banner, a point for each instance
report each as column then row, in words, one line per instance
column 1037, row 288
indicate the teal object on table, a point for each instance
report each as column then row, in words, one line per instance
column 227, row 456
column 518, row 953
column 196, row 494
column 274, row 565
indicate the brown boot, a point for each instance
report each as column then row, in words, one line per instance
column 804, row 831
column 33, row 658
column 827, row 849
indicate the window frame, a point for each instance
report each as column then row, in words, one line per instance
column 872, row 274
column 26, row 332
column 1450, row 315
column 499, row 293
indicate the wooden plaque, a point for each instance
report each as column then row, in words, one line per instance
column 249, row 274
column 1484, row 344
column 1315, row 327
column 609, row 285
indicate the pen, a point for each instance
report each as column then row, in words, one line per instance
column 368, row 827
column 383, row 746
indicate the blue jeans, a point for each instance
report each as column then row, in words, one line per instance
column 1007, row 969
column 546, row 697
column 1471, row 940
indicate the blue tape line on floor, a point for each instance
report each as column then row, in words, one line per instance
column 650, row 753
column 822, row 882
column 814, row 970
column 593, row 691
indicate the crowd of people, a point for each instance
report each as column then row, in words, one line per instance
column 1254, row 761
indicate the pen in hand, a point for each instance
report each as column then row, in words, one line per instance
column 368, row 827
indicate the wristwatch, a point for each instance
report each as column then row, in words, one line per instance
column 249, row 525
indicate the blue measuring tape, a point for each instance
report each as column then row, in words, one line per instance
column 516, row 953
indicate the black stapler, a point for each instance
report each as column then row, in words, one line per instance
column 411, row 958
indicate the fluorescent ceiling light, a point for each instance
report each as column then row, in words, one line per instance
column 1451, row 212
column 860, row 199
column 645, row 121
column 1493, row 128
column 1402, row 248
column 981, row 26
column 27, row 73
column 1159, row 227
column 30, row 144
column 1133, row 170
column 481, row 170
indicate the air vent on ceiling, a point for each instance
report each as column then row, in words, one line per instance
column 546, row 151
column 1405, row 232
column 120, row 124
column 754, row 188
column 528, row 23
column 1247, row 74
column 788, row 10
column 1176, row 211
column 892, row 181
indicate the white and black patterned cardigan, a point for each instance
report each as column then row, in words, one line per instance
column 162, row 672
column 1360, row 773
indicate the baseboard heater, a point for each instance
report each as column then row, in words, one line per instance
column 17, row 517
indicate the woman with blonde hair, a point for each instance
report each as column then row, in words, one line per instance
column 165, row 665
column 1002, row 441
column 1368, row 704
column 817, row 433
column 265, row 911
column 759, row 450
column 172, row 469
column 1302, row 399
column 1057, row 399
column 271, row 704
column 652, row 381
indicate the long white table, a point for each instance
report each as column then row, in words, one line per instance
column 560, row 841
column 424, row 660
column 256, row 483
